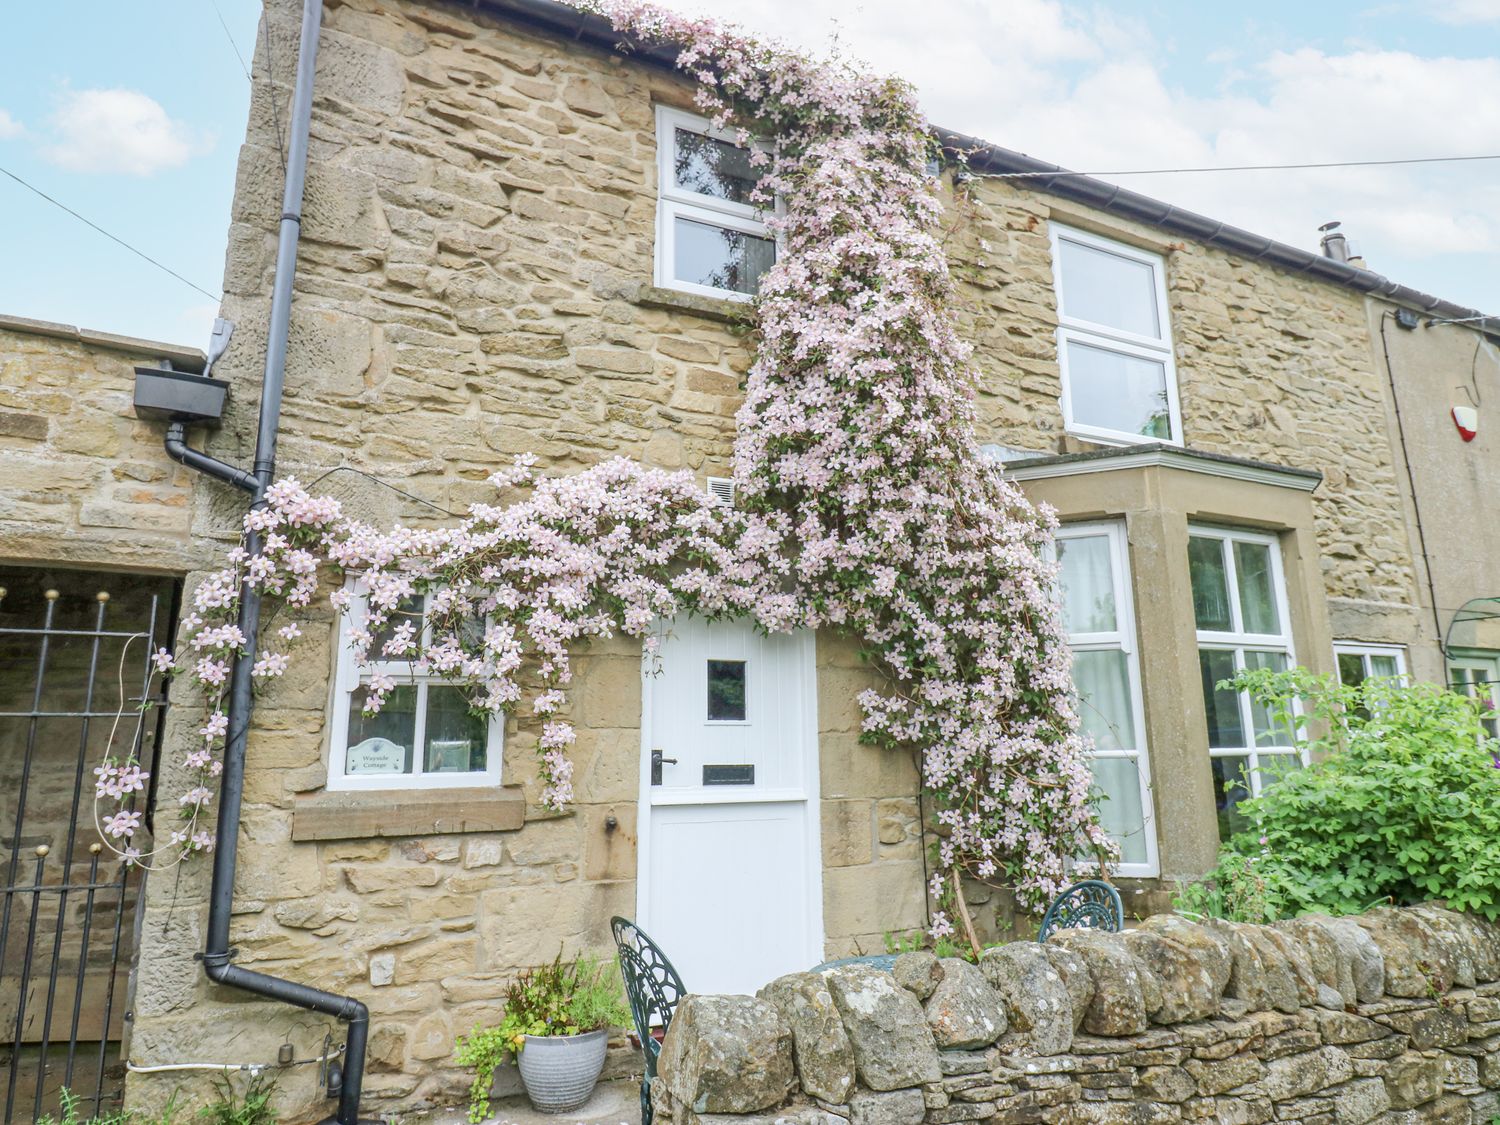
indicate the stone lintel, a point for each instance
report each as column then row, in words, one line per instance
column 433, row 812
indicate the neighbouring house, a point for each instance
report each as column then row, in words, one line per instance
column 520, row 239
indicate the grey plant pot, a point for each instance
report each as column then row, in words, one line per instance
column 560, row 1071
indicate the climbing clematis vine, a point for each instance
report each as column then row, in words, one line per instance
column 863, row 505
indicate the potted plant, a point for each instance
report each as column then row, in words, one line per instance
column 556, row 1023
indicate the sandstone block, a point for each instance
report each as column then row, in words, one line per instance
column 1417, row 961
column 1192, row 976
column 1359, row 1101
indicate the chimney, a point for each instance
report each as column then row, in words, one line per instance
column 1335, row 245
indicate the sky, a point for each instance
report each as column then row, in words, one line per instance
column 132, row 114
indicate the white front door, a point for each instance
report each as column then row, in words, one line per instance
column 730, row 870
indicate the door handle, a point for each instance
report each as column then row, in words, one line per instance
column 657, row 761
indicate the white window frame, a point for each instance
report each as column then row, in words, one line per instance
column 675, row 203
column 1123, row 639
column 1477, row 660
column 1239, row 642
column 1364, row 651
column 349, row 677
column 1072, row 328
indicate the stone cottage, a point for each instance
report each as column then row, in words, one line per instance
column 517, row 238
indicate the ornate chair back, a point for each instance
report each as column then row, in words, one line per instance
column 653, row 989
column 1090, row 905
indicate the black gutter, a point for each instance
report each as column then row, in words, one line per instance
column 184, row 454
column 217, row 955
column 560, row 19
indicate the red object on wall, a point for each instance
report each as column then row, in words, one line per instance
column 1466, row 418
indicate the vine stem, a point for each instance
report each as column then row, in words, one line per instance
column 963, row 913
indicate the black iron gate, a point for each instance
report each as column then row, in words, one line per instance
column 75, row 684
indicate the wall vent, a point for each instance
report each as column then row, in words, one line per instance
column 722, row 490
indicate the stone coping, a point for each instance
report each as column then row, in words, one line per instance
column 1390, row 1017
column 183, row 358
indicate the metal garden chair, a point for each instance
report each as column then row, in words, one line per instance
column 653, row 988
column 1090, row 905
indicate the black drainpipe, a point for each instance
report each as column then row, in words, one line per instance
column 217, row 956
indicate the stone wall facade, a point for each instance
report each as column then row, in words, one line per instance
column 1391, row 1017
column 474, row 282
column 86, row 482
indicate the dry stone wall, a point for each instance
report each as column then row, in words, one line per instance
column 1392, row 1017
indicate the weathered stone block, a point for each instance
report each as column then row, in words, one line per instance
column 892, row 1107
column 824, row 1056
column 1413, row 1080
column 1074, row 971
column 918, row 973
column 893, row 1046
column 1417, row 961
column 1191, row 964
column 1359, row 1101
column 1118, row 1005
column 1037, row 1003
column 727, row 1054
column 1296, row 1076
column 964, row 1011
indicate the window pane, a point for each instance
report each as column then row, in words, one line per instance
column 1383, row 664
column 1351, row 669
column 1108, row 289
column 382, row 743
column 726, row 691
column 1121, row 813
column 1222, row 707
column 1252, row 564
column 1102, row 679
column 714, row 167
column 1267, row 731
column 1118, row 391
column 1231, row 786
column 1210, row 584
column 1088, row 586
column 720, row 258
column 456, row 739
column 385, row 646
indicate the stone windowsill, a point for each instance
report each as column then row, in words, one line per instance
column 423, row 812
column 712, row 308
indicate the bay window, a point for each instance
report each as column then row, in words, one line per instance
column 1240, row 610
column 1094, row 580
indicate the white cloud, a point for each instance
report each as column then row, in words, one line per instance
column 1080, row 86
column 117, row 131
column 1467, row 11
column 9, row 126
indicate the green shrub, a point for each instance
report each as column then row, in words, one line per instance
column 557, row 999
column 1402, row 803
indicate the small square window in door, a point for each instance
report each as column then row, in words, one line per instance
column 726, row 691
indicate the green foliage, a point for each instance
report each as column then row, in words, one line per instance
column 1402, row 803
column 72, row 1114
column 253, row 1107
column 557, row 999
column 1236, row 891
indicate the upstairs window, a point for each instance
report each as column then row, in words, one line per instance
column 1114, row 342
column 711, row 237
column 425, row 736
column 1239, row 605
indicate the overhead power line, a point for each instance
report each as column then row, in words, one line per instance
column 113, row 238
column 1240, row 167
column 232, row 44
